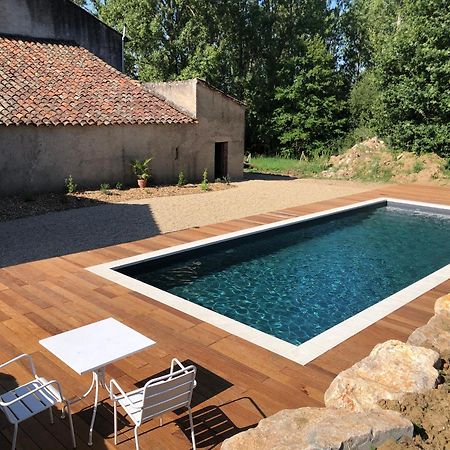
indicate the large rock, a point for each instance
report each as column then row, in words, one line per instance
column 392, row 369
column 320, row 428
column 435, row 334
column 442, row 305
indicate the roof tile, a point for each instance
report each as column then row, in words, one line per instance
column 63, row 84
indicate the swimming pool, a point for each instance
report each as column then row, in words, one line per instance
column 301, row 285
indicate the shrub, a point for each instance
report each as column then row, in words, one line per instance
column 119, row 185
column 104, row 188
column 446, row 168
column 204, row 185
column 181, row 179
column 418, row 166
column 70, row 184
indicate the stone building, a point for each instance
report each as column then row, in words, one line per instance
column 65, row 109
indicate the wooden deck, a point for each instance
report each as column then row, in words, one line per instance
column 238, row 382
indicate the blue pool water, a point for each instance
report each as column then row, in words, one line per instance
column 297, row 282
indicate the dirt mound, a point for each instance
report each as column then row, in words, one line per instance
column 371, row 161
column 430, row 414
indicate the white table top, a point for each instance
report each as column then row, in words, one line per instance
column 96, row 345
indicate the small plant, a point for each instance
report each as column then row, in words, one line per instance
column 141, row 168
column 142, row 171
column 181, row 179
column 247, row 161
column 418, row 166
column 204, row 185
column 104, row 188
column 70, row 184
column 119, row 186
column 375, row 171
column 446, row 168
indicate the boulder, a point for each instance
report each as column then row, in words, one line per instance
column 392, row 369
column 442, row 305
column 435, row 334
column 321, row 428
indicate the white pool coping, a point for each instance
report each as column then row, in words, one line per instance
column 311, row 349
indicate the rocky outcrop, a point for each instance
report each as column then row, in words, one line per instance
column 442, row 305
column 435, row 334
column 320, row 428
column 392, row 369
column 353, row 418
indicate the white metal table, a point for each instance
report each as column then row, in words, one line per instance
column 92, row 347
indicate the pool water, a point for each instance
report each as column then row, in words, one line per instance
column 299, row 281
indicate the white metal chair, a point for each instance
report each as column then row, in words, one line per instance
column 31, row 398
column 158, row 396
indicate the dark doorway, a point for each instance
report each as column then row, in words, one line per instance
column 221, row 160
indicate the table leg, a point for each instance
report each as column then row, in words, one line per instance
column 95, row 379
column 102, row 378
column 98, row 378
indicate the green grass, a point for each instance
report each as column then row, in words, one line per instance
column 418, row 166
column 446, row 168
column 374, row 172
column 295, row 167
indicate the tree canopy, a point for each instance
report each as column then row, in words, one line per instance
column 309, row 71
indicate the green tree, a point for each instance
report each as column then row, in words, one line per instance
column 351, row 38
column 310, row 116
column 240, row 46
column 413, row 73
column 363, row 101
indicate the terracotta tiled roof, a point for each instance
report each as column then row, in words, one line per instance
column 43, row 83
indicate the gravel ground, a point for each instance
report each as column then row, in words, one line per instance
column 82, row 229
column 249, row 197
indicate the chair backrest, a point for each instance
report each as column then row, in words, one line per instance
column 167, row 393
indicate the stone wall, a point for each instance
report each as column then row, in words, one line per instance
column 61, row 20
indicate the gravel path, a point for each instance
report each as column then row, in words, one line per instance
column 65, row 232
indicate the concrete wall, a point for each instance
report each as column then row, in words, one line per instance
column 181, row 94
column 37, row 159
column 61, row 20
column 220, row 119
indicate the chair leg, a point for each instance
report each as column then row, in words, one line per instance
column 72, row 432
column 115, row 423
column 191, row 423
column 13, row 446
column 51, row 415
column 136, row 437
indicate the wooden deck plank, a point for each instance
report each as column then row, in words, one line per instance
column 239, row 382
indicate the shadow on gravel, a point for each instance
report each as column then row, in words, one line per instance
column 74, row 230
column 266, row 177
